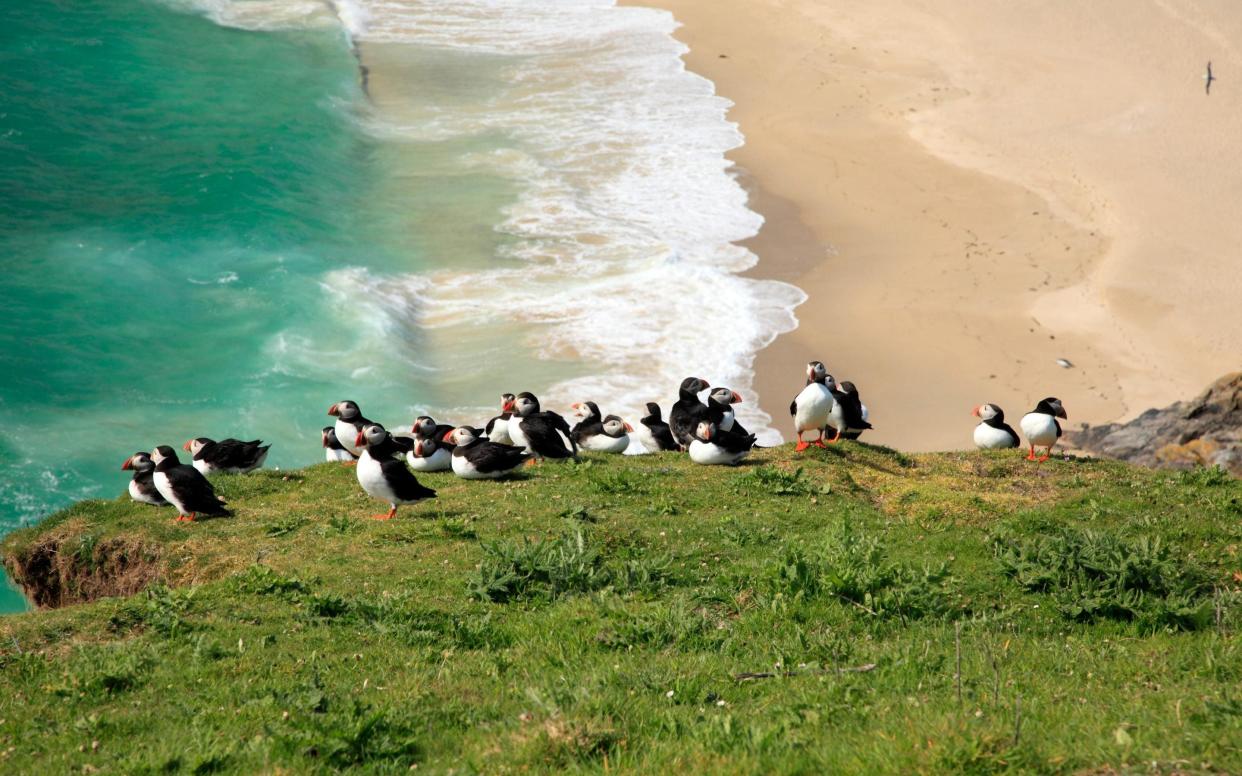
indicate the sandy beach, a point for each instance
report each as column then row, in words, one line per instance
column 970, row 191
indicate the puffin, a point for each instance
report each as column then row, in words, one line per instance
column 542, row 434
column 720, row 409
column 687, row 411
column 1041, row 427
column 142, row 484
column 497, row 429
column 475, row 458
column 846, row 415
column 431, row 455
column 993, row 433
column 426, row 428
column 333, row 450
column 382, row 475
column 653, row 432
column 349, row 421
column 849, row 388
column 231, row 456
column 608, row 434
column 184, row 487
column 812, row 406
column 713, row 447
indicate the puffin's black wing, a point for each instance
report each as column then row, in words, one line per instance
column 793, row 407
column 404, row 485
column 195, row 491
column 490, row 457
column 851, row 408
column 1057, row 423
column 684, row 416
column 735, row 442
column 1014, row 434
column 660, row 433
column 541, row 432
column 590, row 427
column 233, row 453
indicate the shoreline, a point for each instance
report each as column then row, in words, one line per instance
column 942, row 272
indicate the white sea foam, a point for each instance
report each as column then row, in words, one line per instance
column 623, row 252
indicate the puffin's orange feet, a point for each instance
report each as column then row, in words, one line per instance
column 835, row 439
column 802, row 446
column 185, row 518
column 820, row 443
column 1046, row 457
column 532, row 461
column 390, row 515
column 351, row 463
column 1031, row 457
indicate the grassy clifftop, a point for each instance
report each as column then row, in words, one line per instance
column 853, row 609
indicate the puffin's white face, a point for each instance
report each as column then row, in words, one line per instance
column 157, row 455
column 461, row 436
column 345, row 410
column 139, row 462
column 424, row 426
column 830, row 382
column 524, row 406
column 816, row 371
column 986, row 411
column 195, row 445
column 705, row 431
column 581, row 409
column 725, row 396
column 615, row 427
column 372, row 435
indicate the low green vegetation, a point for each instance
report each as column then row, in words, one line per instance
column 846, row 610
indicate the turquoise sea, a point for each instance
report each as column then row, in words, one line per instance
column 212, row 225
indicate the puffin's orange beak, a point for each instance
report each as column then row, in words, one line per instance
column 507, row 407
column 186, row 446
column 129, row 464
column 418, row 448
column 360, row 441
column 323, row 438
column 737, row 398
column 975, row 411
column 629, row 428
column 448, row 437
column 333, row 411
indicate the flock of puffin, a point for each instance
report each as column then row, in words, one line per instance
column 524, row 433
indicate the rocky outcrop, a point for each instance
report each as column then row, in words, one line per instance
column 1206, row 431
column 58, row 569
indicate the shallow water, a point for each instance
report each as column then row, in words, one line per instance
column 210, row 225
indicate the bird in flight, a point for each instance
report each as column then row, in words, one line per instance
column 1208, row 78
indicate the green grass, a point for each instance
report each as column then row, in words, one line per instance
column 597, row 617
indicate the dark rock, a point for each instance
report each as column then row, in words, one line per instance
column 1206, row 431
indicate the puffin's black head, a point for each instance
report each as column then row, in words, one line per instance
column 693, row 386
column 705, row 431
column 194, row 445
column 653, row 411
column 587, row 410
column 506, row 399
column 830, row 382
column 848, row 387
column 816, row 372
column 345, row 410
column 328, row 437
column 988, row 412
column 140, row 462
column 615, row 427
column 424, row 447
column 525, row 404
column 424, row 426
column 164, row 453
column 1051, row 406
column 724, row 396
column 373, row 434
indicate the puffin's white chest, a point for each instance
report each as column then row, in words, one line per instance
column 500, row 432
column 990, row 438
column 726, row 421
column 137, row 495
column 1040, row 428
column 602, row 443
column 517, row 434
column 463, row 468
column 332, row 454
column 438, row 461
column 203, row 467
column 711, row 454
column 646, row 438
column 371, row 478
column 166, row 490
column 812, row 407
column 346, row 434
